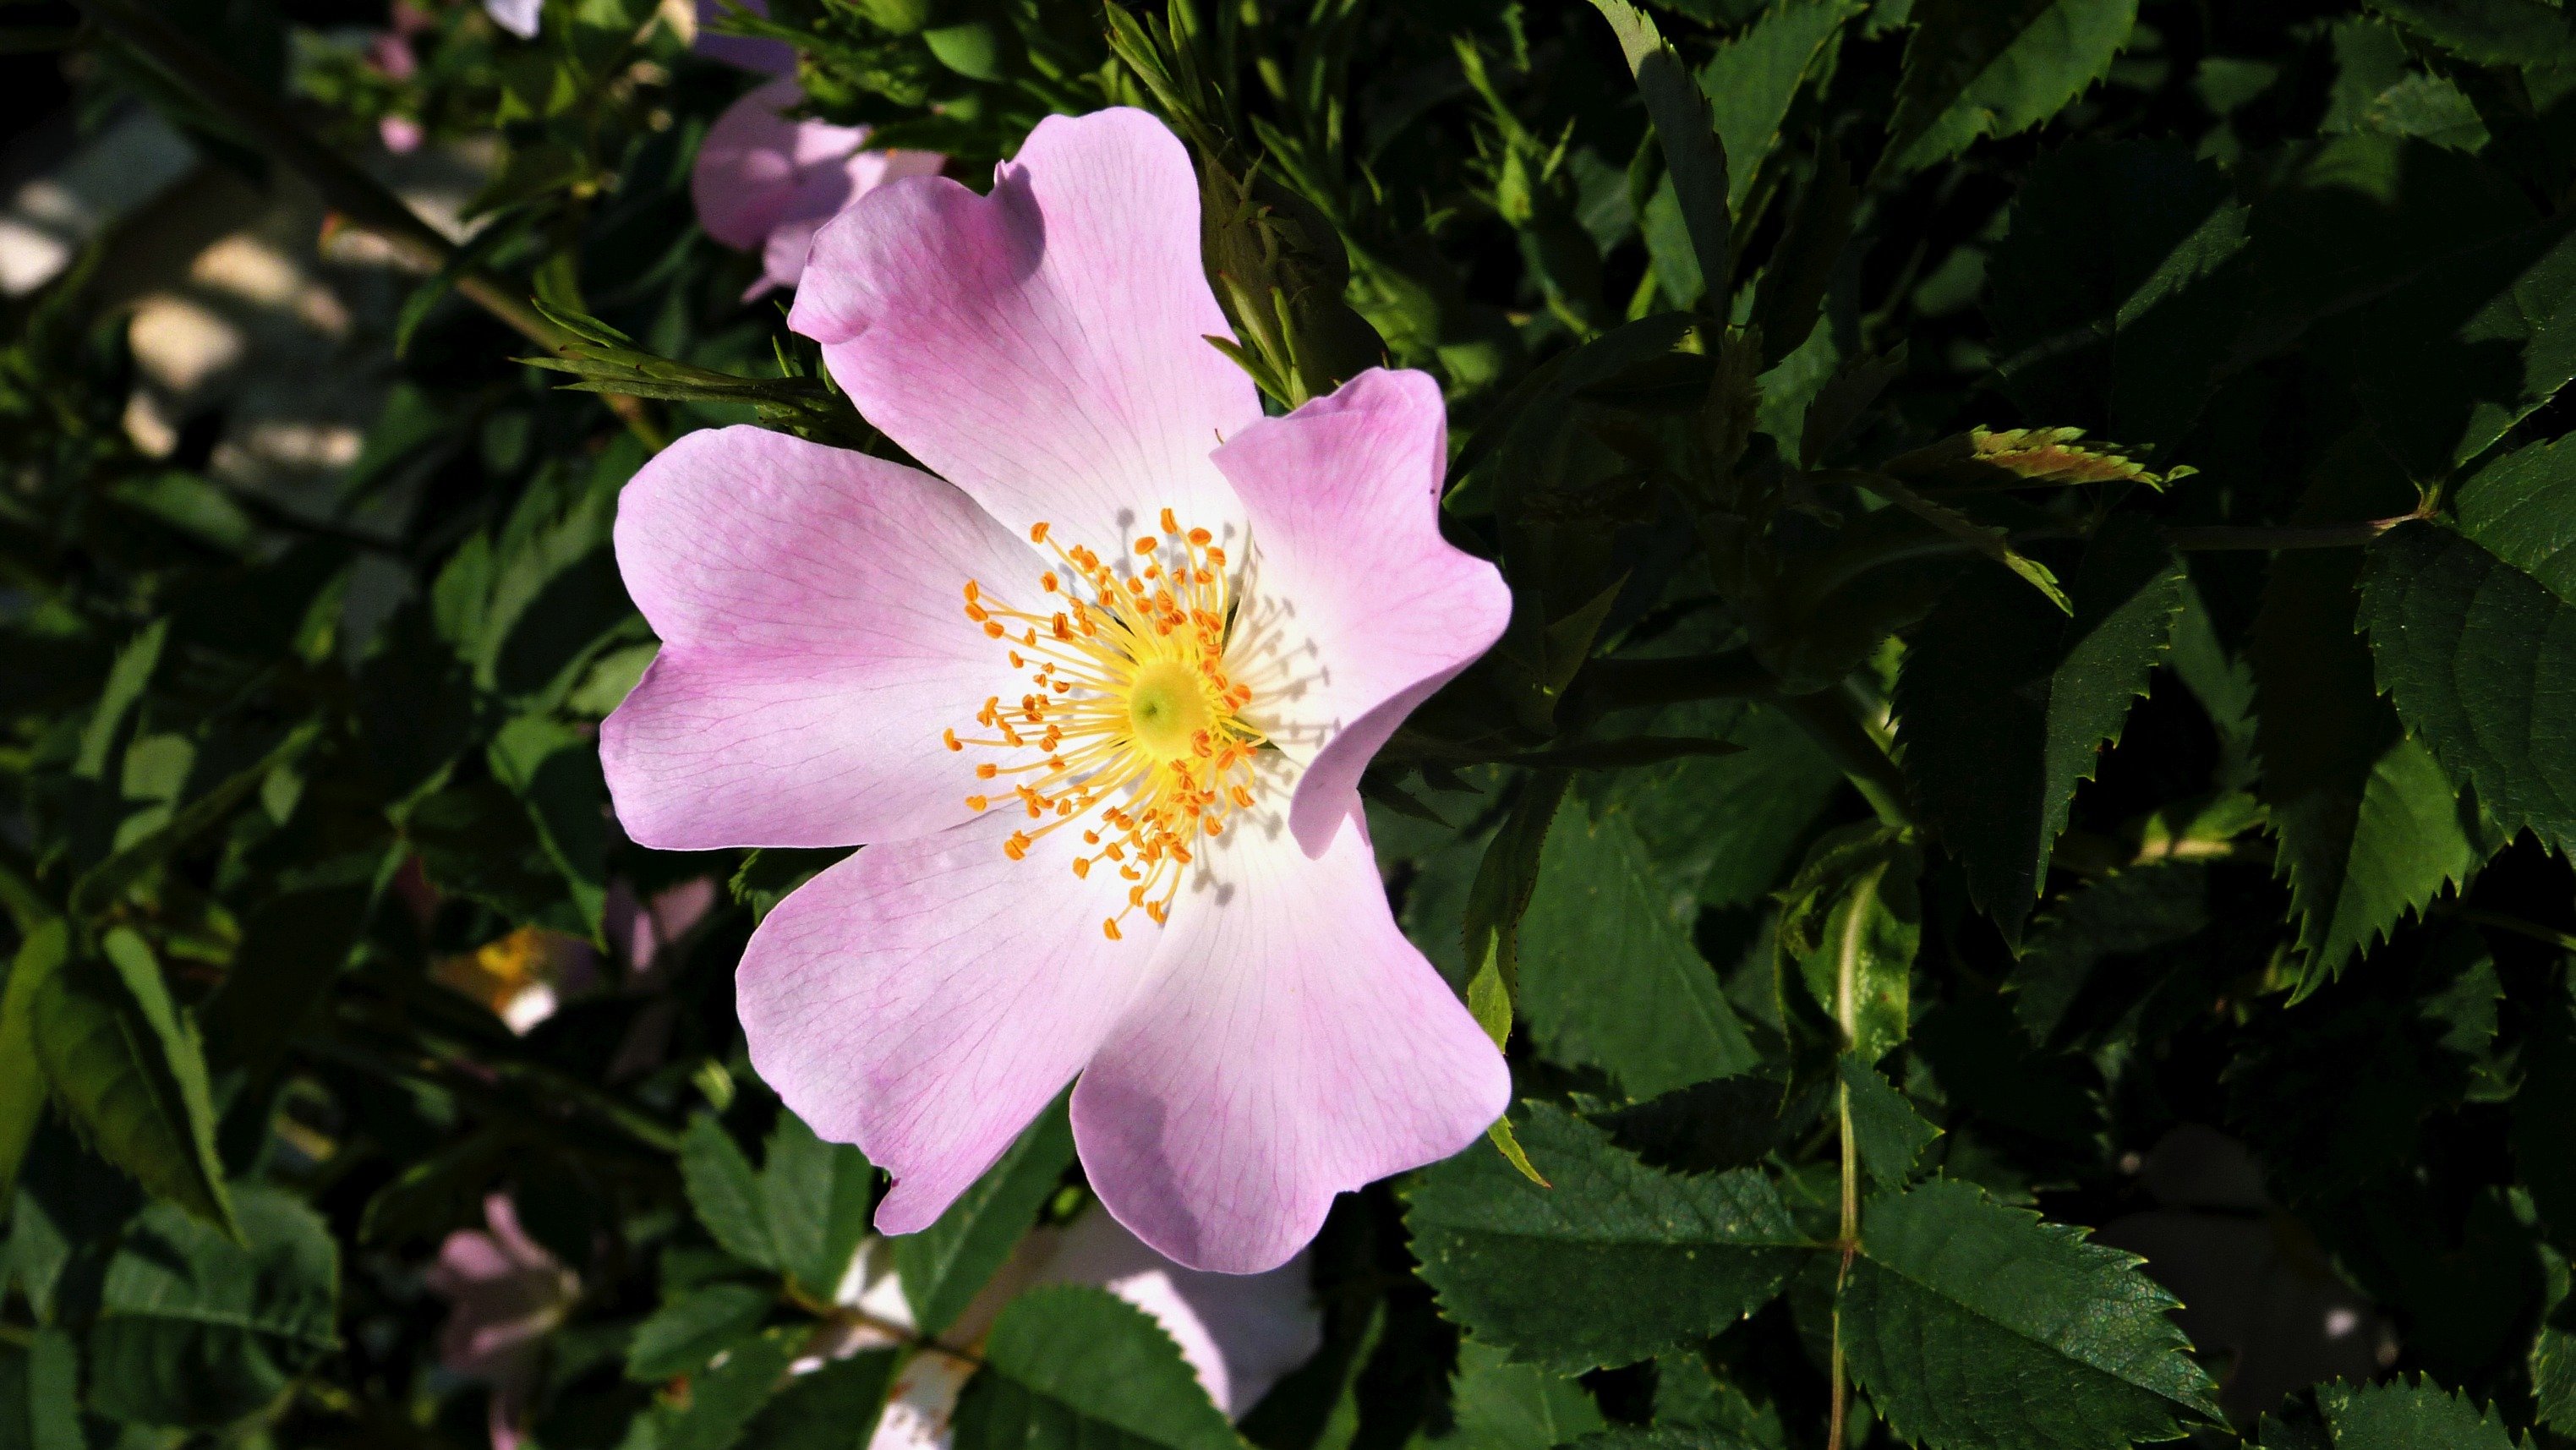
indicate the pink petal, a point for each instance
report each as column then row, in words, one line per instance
column 756, row 158
column 814, row 645
column 770, row 57
column 1239, row 1332
column 1042, row 348
column 1344, row 499
column 1296, row 1046
column 519, row 17
column 825, row 194
column 924, row 1000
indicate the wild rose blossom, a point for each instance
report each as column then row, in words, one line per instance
column 765, row 182
column 508, row 1294
column 1099, row 700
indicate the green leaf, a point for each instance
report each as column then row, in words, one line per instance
column 721, row 1403
column 2397, row 1416
column 1682, row 1257
column 1754, row 78
column 1502, row 1405
column 1890, row 1134
column 292, row 948
column 100, row 886
column 1712, row 1127
column 554, row 770
column 2522, row 509
column 1693, row 155
column 1071, row 1367
column 2113, row 296
column 2444, row 363
column 1505, row 877
column 681, row 1336
column 1722, row 831
column 2486, row 32
column 197, row 1330
column 818, row 1197
column 126, row 678
column 1609, row 977
column 826, row 1409
column 1993, row 68
column 2133, row 913
column 1850, row 924
column 22, row 1078
column 2003, row 704
column 2477, row 656
column 1970, row 1323
column 126, row 1069
column 2370, row 830
column 40, row 1394
column 726, row 1194
column 946, row 1265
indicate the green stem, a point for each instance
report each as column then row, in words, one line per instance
column 1829, row 719
column 1847, row 1016
column 345, row 188
column 2293, row 536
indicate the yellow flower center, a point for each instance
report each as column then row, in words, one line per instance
column 1131, row 730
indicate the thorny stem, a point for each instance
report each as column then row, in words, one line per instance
column 359, row 199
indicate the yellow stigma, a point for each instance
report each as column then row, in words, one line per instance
column 1131, row 730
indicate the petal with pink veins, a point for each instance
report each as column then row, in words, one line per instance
column 811, row 606
column 925, row 1000
column 1294, row 1046
column 1380, row 611
column 1044, row 348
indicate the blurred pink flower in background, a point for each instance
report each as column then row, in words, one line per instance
column 1238, row 1333
column 766, row 181
column 769, row 57
column 507, row 1295
column 519, row 17
column 1258, row 1036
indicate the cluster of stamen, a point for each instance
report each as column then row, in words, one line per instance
column 1131, row 730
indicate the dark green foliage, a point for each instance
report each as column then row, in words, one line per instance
column 1976, row 1323
column 1684, row 1256
column 2038, row 702
column 1071, row 1366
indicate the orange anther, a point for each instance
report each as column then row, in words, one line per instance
column 993, row 628
column 949, row 738
column 1147, row 546
column 1109, row 924
column 1037, row 533
column 1201, row 537
column 1082, row 866
column 987, row 771
column 976, row 803
column 1170, row 524
column 1017, row 847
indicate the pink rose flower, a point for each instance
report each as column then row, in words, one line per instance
column 765, row 182
column 1150, row 868
column 769, row 57
column 508, row 1294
